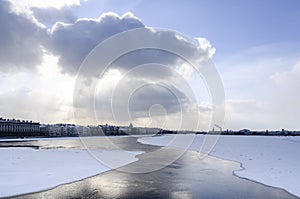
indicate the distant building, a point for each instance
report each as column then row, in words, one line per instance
column 166, row 132
column 83, row 130
column 54, row 130
column 44, row 129
column 96, row 131
column 110, row 130
column 57, row 130
column 245, row 132
column 130, row 130
column 18, row 128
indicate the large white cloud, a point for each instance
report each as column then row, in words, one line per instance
column 25, row 42
column 20, row 40
column 73, row 42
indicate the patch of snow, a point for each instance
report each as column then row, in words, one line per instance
column 271, row 160
column 25, row 170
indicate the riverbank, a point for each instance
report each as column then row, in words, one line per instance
column 25, row 170
column 273, row 161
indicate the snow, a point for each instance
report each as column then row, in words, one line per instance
column 273, row 161
column 24, row 170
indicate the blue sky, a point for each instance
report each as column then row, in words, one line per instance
column 231, row 26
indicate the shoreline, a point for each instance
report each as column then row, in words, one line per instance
column 238, row 149
column 42, row 165
column 249, row 179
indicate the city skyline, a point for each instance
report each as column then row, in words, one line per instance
column 215, row 127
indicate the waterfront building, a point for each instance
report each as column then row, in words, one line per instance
column 83, row 130
column 109, row 129
column 18, row 128
column 130, row 130
column 57, row 130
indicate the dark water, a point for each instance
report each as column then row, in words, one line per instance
column 187, row 177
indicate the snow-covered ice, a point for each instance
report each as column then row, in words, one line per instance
column 270, row 160
column 24, row 170
column 274, row 161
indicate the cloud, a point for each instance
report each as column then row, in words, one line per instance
column 45, row 109
column 27, row 44
column 205, row 45
column 49, row 16
column 43, row 95
column 241, row 113
column 288, row 80
column 284, row 100
column 20, row 40
column 141, row 99
column 140, row 73
column 262, row 88
column 25, row 37
column 25, row 6
column 73, row 42
column 122, row 99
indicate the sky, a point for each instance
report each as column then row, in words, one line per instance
column 254, row 45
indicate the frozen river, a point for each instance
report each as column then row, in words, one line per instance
column 187, row 177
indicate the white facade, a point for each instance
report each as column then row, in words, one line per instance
column 139, row 130
column 67, row 130
column 83, row 130
column 18, row 127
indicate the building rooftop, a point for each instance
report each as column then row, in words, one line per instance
column 2, row 120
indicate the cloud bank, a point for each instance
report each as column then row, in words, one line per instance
column 28, row 35
column 21, row 40
column 261, row 88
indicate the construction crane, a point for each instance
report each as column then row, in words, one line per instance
column 219, row 127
